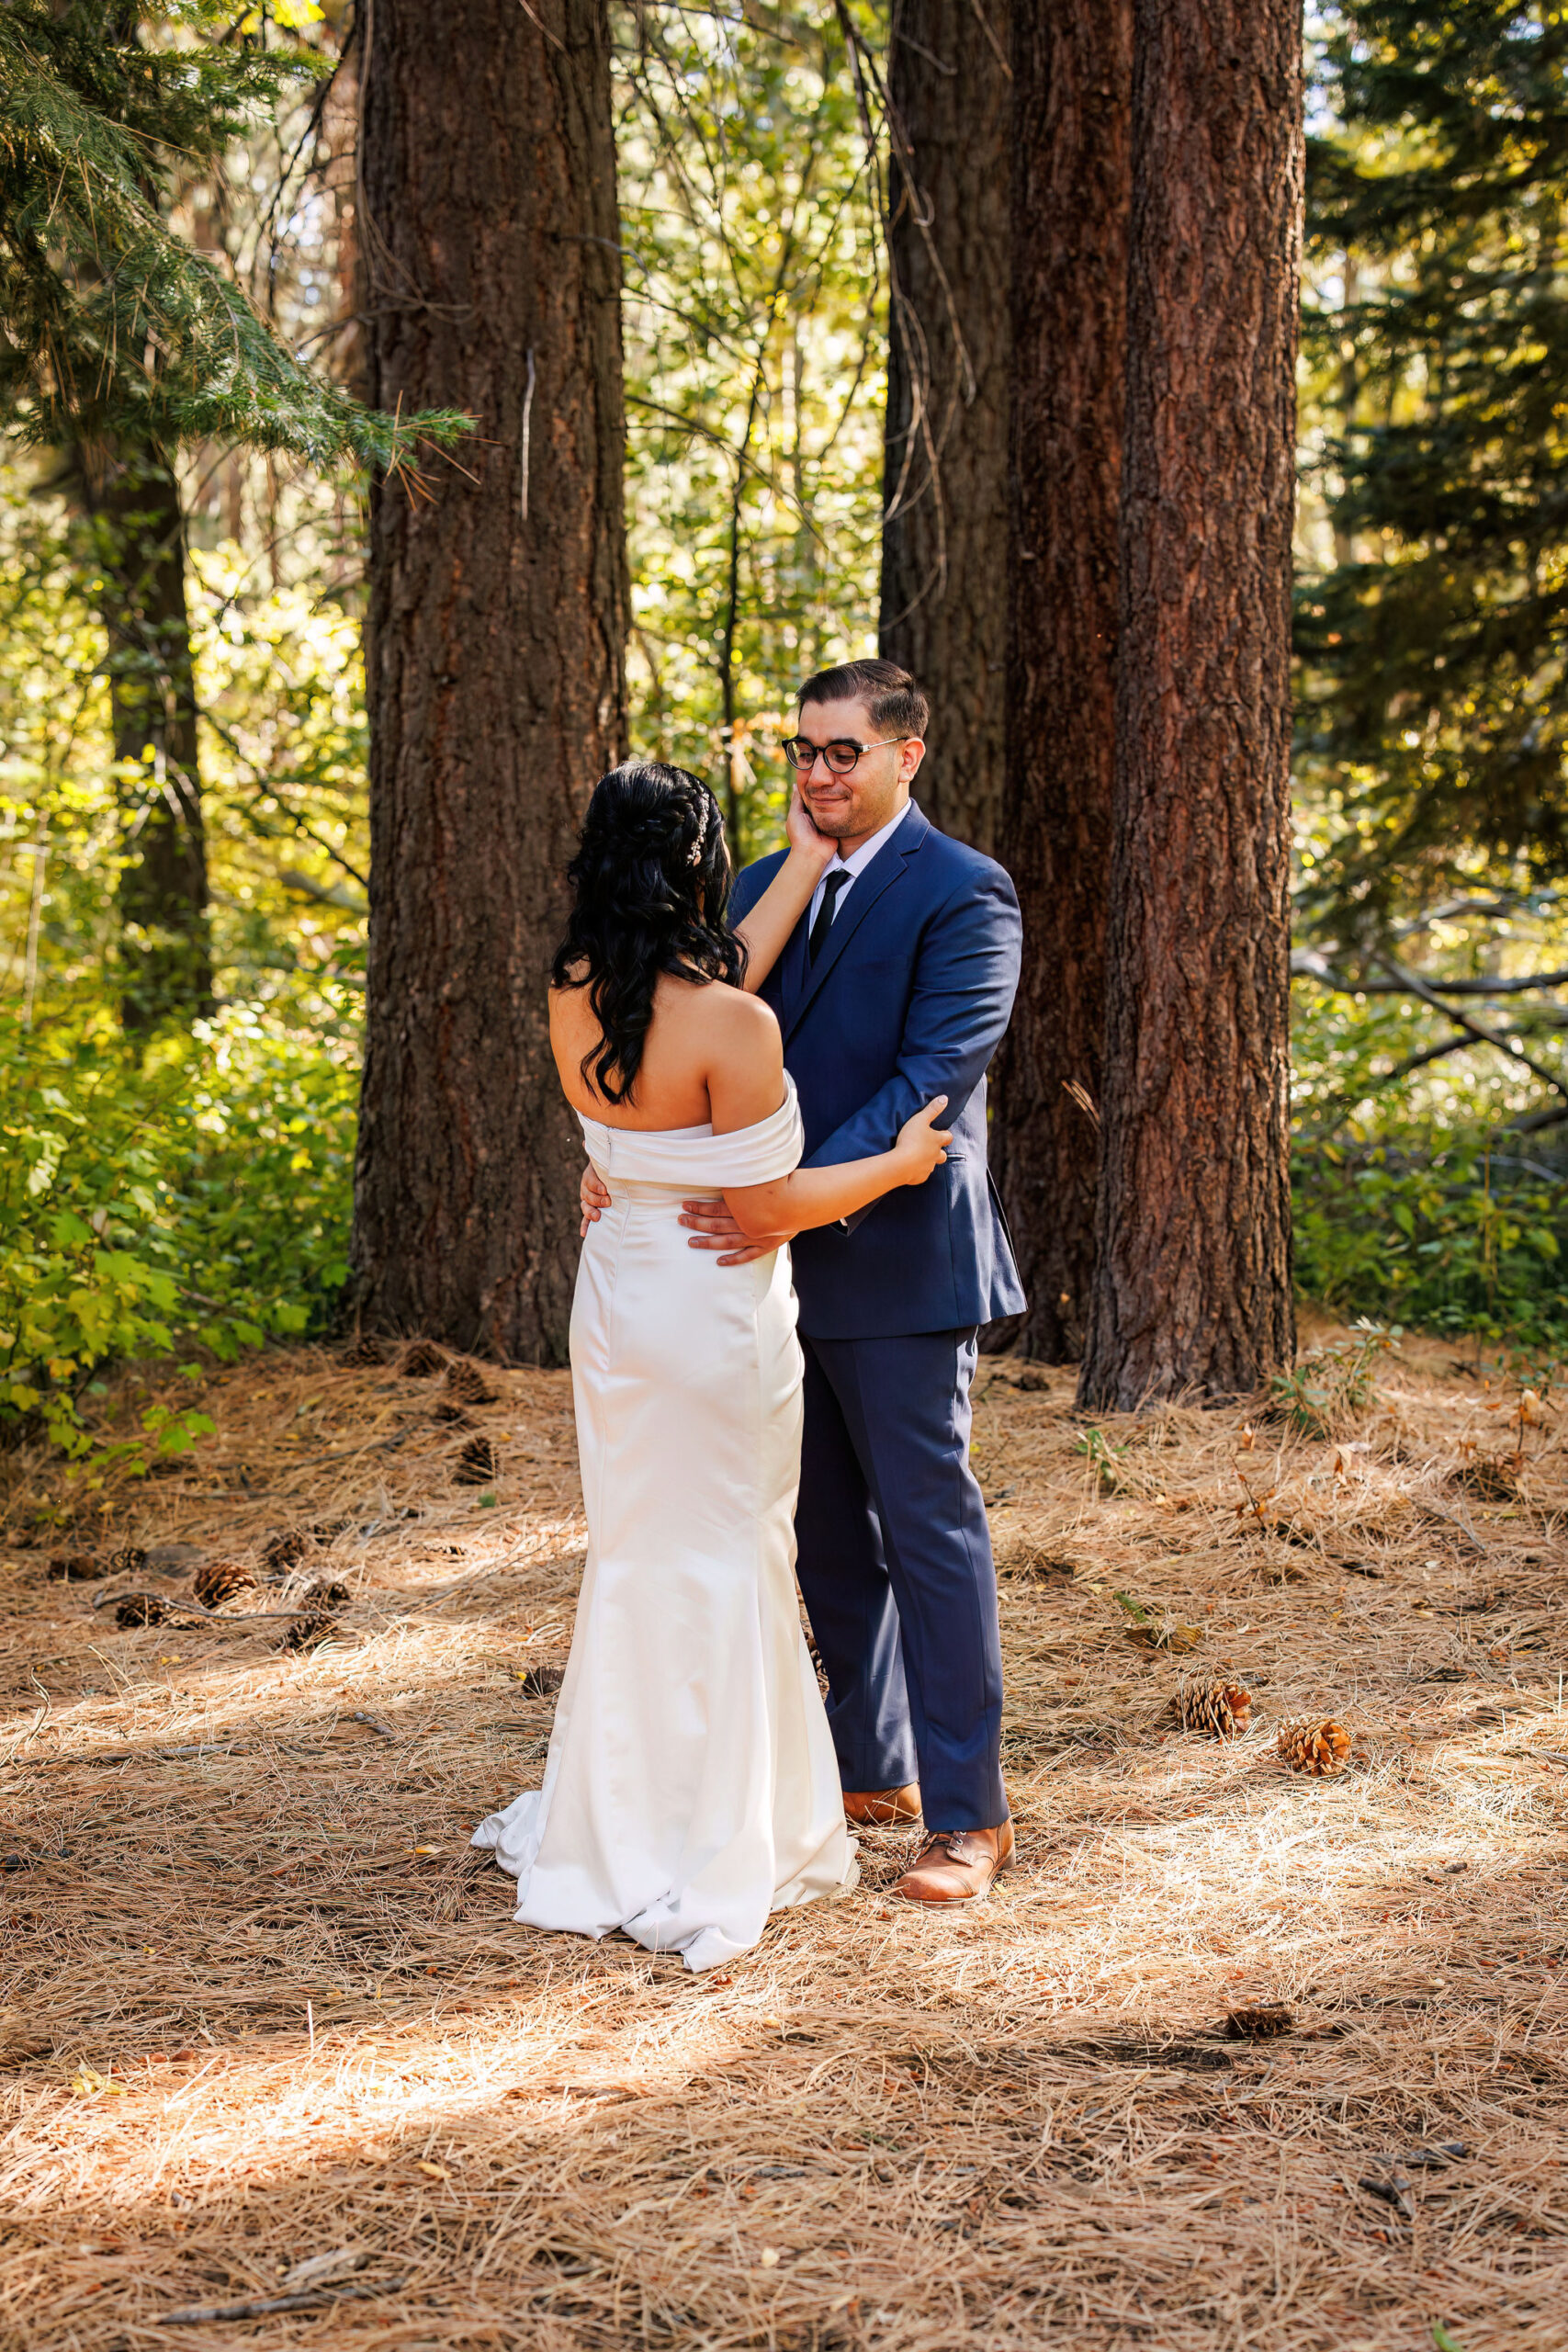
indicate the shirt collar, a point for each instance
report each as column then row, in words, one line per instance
column 857, row 863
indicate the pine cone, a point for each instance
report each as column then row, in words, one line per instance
column 304, row 1632
column 467, row 1383
column 478, row 1464
column 364, row 1353
column 423, row 1360
column 219, row 1580
column 1256, row 2025
column 453, row 1417
column 129, row 1561
column 1314, row 1743
column 1213, row 1703
column 284, row 1551
column 76, row 1567
column 141, row 1609
column 326, row 1594
column 540, row 1681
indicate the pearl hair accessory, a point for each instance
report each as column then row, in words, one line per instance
column 694, row 855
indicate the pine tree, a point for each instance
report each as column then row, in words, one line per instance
column 1193, row 1277
column 1435, row 648
column 109, row 323
column 944, row 520
column 494, row 649
column 119, row 345
column 129, row 489
column 1071, row 195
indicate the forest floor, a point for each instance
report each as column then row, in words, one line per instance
column 260, row 2007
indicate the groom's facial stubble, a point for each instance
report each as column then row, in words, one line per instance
column 850, row 808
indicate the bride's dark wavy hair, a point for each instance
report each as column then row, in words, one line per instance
column 653, row 883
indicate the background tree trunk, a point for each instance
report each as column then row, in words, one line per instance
column 1192, row 1286
column 944, row 527
column 487, row 231
column 1071, row 201
column 132, row 499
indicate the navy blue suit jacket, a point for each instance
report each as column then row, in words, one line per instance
column 908, row 999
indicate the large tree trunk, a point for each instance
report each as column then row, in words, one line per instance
column 1192, row 1288
column 944, row 527
column 132, row 499
column 1071, row 198
column 497, row 606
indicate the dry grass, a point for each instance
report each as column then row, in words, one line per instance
column 260, row 2005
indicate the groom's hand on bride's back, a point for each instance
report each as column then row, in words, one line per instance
column 713, row 1228
column 594, row 1199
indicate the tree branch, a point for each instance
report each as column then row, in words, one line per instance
column 1307, row 964
column 1477, row 1029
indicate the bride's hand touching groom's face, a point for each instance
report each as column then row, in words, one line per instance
column 801, row 832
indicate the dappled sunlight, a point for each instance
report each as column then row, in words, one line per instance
column 262, row 2004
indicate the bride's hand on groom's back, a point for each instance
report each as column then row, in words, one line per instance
column 923, row 1146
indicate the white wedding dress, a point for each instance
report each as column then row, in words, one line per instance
column 691, row 1786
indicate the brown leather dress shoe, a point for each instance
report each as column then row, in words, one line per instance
column 957, row 1865
column 883, row 1808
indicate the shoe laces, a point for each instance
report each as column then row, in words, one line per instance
column 939, row 1841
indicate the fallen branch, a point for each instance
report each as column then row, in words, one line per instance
column 194, row 1609
column 313, row 2299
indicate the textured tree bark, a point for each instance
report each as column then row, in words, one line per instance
column 1192, row 1286
column 1071, row 202
column 944, row 492
column 132, row 499
column 487, row 230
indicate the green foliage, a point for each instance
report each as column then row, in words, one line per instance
column 1453, row 1245
column 1435, row 642
column 1330, row 1387
column 755, row 327
column 112, row 324
column 200, row 1203
column 1103, row 1458
column 283, row 749
column 1424, row 1198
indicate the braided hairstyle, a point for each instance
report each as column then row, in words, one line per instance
column 651, row 878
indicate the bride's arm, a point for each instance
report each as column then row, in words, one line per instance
column 822, row 1195
column 767, row 927
column 746, row 1084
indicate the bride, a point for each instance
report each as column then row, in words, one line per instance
column 691, row 1786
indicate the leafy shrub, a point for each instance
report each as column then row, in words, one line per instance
column 1452, row 1243
column 1332, row 1384
column 200, row 1199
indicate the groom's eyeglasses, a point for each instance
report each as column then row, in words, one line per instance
column 843, row 758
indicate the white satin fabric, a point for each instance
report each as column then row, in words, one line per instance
column 691, row 1786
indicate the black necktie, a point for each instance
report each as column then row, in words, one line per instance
column 824, row 922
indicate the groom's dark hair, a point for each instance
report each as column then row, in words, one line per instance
column 891, row 696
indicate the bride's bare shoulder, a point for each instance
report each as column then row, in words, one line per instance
column 727, row 1012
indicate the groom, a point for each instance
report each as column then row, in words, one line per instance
column 896, row 986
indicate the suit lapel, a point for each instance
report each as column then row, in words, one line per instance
column 885, row 870
column 792, row 968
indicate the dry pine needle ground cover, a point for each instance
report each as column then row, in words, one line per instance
column 267, row 2035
